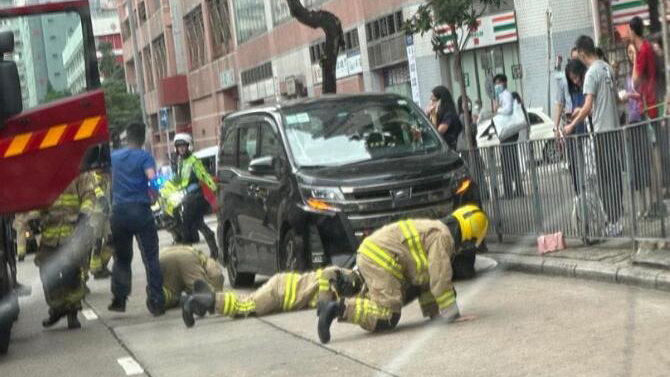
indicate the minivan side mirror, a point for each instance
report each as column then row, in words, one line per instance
column 262, row 166
column 10, row 85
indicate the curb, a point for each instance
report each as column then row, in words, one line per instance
column 586, row 270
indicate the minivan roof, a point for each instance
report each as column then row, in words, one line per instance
column 310, row 100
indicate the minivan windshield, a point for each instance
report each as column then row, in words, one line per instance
column 354, row 130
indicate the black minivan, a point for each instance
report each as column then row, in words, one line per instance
column 301, row 184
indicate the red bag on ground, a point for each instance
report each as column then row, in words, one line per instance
column 550, row 242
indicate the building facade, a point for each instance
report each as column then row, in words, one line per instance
column 200, row 59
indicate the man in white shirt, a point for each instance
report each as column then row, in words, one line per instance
column 512, row 181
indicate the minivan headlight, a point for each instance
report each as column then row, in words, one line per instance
column 322, row 198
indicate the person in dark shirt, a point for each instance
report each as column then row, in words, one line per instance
column 132, row 171
column 445, row 117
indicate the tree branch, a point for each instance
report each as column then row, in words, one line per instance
column 332, row 28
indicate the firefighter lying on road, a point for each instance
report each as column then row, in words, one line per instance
column 411, row 257
column 282, row 293
column 187, row 269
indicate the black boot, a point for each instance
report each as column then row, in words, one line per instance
column 54, row 317
column 328, row 311
column 198, row 304
column 117, row 305
column 72, row 320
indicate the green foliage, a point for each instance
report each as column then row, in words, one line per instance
column 454, row 13
column 122, row 107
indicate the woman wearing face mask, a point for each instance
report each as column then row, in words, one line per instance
column 445, row 117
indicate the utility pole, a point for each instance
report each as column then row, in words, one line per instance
column 139, row 71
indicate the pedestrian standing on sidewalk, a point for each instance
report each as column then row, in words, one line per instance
column 445, row 116
column 132, row 171
column 510, row 152
column 644, row 82
column 601, row 104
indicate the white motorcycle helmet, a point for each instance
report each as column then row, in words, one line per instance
column 182, row 138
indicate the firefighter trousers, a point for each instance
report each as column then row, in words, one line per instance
column 379, row 308
column 282, row 293
column 62, row 280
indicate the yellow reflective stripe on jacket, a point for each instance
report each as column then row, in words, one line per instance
column 290, row 288
column 446, row 299
column 86, row 205
column 67, row 200
column 417, row 243
column 412, row 242
column 58, row 231
column 381, row 257
column 99, row 193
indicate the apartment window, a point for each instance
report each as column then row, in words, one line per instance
column 142, row 12
column 148, row 69
column 195, row 35
column 317, row 51
column 160, row 57
column 250, row 19
column 219, row 22
column 351, row 40
column 256, row 74
column 386, row 26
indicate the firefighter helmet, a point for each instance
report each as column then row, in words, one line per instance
column 182, row 138
column 473, row 223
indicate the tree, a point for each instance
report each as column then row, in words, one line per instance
column 458, row 15
column 122, row 107
column 332, row 27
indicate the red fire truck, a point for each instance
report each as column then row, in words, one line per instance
column 53, row 122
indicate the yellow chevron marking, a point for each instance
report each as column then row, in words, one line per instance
column 53, row 136
column 18, row 144
column 87, row 128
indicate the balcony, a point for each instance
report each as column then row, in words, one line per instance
column 173, row 90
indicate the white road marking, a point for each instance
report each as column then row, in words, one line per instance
column 130, row 366
column 89, row 314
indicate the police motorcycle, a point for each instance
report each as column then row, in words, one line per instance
column 171, row 203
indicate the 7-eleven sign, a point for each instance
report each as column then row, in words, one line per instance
column 490, row 30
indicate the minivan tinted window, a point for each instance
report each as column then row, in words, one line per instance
column 332, row 133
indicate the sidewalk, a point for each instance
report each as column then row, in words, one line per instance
column 611, row 261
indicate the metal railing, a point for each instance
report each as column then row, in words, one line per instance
column 590, row 187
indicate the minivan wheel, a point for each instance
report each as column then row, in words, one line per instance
column 292, row 254
column 237, row 278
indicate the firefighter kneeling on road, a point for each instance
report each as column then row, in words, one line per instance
column 404, row 258
column 284, row 292
column 187, row 269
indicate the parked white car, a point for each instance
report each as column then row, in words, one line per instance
column 541, row 128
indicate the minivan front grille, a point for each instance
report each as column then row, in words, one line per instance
column 398, row 195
